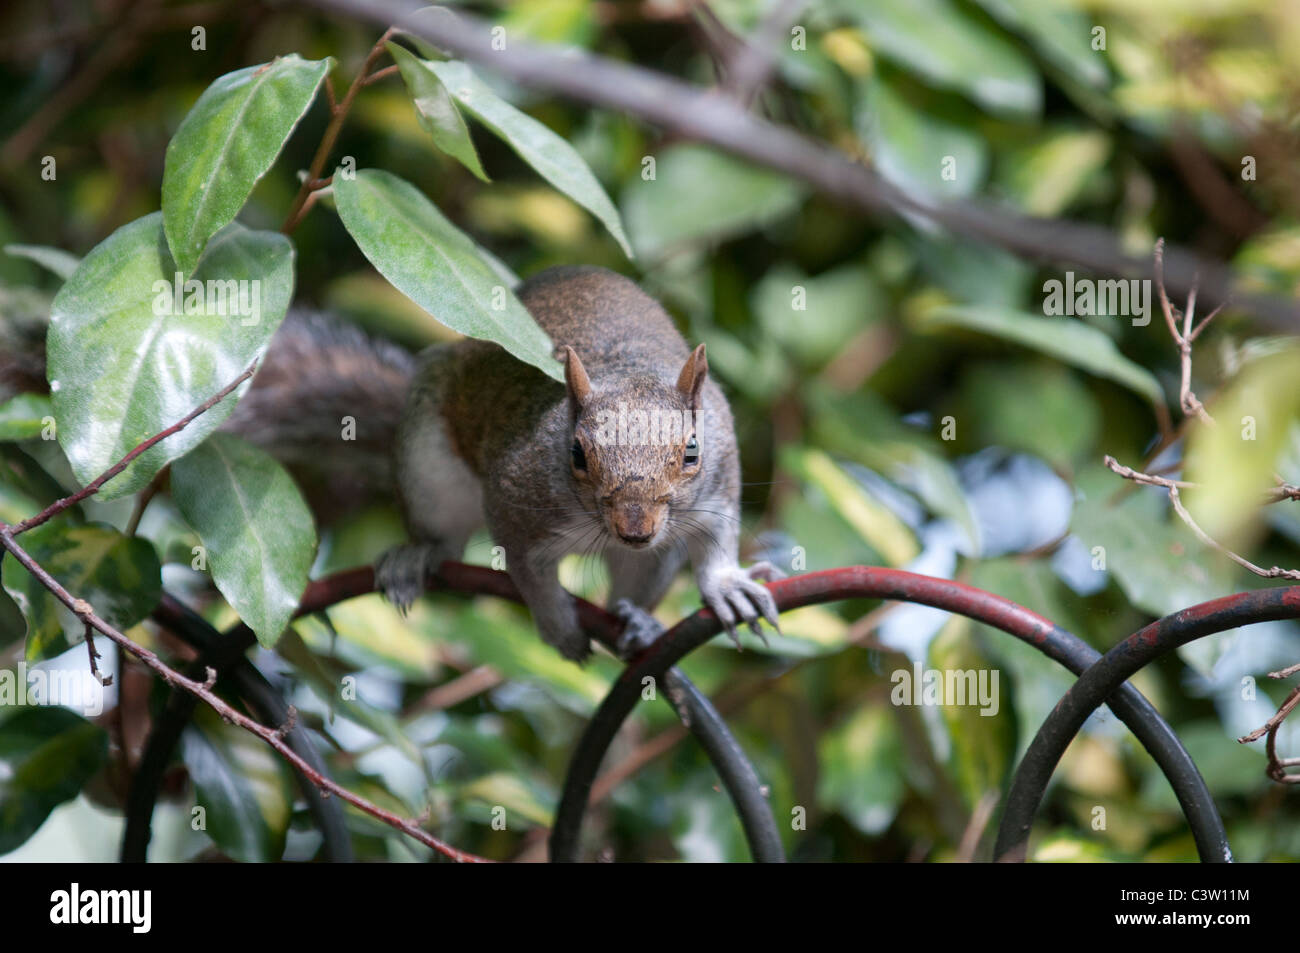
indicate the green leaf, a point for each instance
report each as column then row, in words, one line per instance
column 862, row 427
column 514, row 794
column 698, row 193
column 328, row 689
column 257, row 530
column 436, row 265
column 942, row 43
column 1060, row 424
column 874, row 521
column 242, row 785
column 498, row 637
column 1062, row 36
column 550, row 156
column 1064, row 339
column 1258, row 420
column 1046, row 177
column 226, row 143
column 437, row 111
column 118, row 575
column 47, row 754
column 861, row 769
column 912, row 147
column 814, row 317
column 123, row 368
column 1154, row 557
column 23, row 418
column 54, row 260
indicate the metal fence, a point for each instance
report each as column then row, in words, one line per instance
column 1102, row 679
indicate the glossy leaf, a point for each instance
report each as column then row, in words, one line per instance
column 242, row 785
column 54, row 260
column 123, row 366
column 47, row 754
column 917, row 150
column 437, row 110
column 698, row 193
column 1065, row 339
column 257, row 531
column 1233, row 463
column 226, row 143
column 436, row 265
column 942, row 43
column 860, row 769
column 118, row 575
column 548, row 153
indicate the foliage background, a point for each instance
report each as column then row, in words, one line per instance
column 839, row 413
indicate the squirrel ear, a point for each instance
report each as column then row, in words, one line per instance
column 575, row 375
column 692, row 377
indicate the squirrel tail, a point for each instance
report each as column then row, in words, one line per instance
column 326, row 402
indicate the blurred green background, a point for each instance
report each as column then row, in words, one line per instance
column 841, row 410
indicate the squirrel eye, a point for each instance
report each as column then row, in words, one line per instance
column 691, row 456
column 579, row 457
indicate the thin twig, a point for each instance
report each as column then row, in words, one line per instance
column 1173, row 487
column 93, row 652
column 1183, row 339
column 203, row 691
column 754, row 60
column 338, row 113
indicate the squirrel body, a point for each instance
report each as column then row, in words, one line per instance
column 634, row 458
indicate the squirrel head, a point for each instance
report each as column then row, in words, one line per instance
column 636, row 455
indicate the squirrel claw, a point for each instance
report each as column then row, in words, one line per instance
column 735, row 595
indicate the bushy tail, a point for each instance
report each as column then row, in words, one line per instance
column 326, row 402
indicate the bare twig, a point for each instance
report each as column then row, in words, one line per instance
column 753, row 61
column 93, row 652
column 1187, row 398
column 1173, row 487
column 1277, row 767
column 338, row 113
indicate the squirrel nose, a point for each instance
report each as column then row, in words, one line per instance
column 634, row 524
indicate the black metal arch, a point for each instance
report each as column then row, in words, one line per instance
column 1104, row 677
column 893, row 584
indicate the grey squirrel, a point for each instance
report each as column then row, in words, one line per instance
column 634, row 456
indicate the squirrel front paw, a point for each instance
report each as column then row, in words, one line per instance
column 734, row 594
column 640, row 628
column 401, row 572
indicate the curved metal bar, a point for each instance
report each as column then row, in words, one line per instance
column 735, row 771
column 1097, row 684
column 893, row 584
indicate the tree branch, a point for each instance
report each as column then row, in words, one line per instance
column 203, row 691
column 703, row 116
